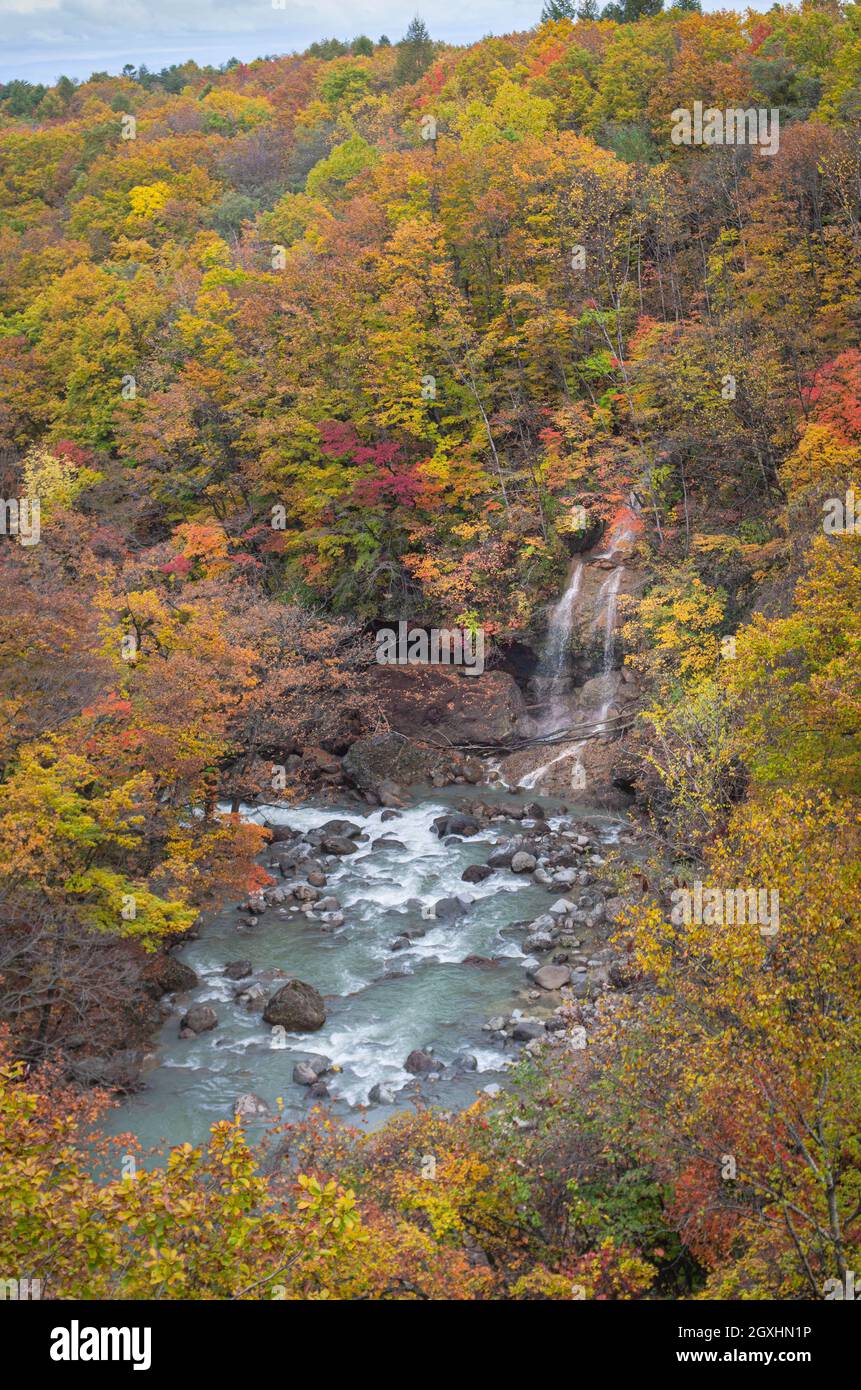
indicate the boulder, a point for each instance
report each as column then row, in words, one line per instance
column 522, row 863
column 420, row 1062
column 199, row 1019
column 237, row 969
column 389, row 793
column 339, row 844
column 456, row 823
column 450, row 909
column 476, row 873
column 552, row 976
column 251, row 997
column 248, row 1106
column 525, row 1029
column 164, row 974
column 297, row 1007
column 380, row 1094
column 464, row 1061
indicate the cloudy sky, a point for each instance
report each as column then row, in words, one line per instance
column 44, row 38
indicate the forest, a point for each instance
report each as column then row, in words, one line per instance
column 295, row 348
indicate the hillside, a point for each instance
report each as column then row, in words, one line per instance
column 392, row 333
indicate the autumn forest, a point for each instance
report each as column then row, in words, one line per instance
column 513, row 338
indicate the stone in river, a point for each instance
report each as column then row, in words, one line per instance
column 476, row 873
column 298, row 1007
column 237, row 969
column 522, row 863
column 420, row 1062
column 200, row 1019
column 250, row 1107
column 552, row 976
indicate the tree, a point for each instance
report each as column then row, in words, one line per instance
column 415, row 53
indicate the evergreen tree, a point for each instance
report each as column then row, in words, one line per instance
column 415, row 53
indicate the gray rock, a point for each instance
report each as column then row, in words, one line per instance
column 450, row 909
column 251, row 997
column 200, row 1019
column 522, row 863
column 464, row 1061
column 248, row 1106
column 297, row 1007
column 339, row 844
column 528, row 1028
column 552, row 976
column 381, row 1095
column 237, row 969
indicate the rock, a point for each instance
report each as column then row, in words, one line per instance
column 387, row 757
column 339, row 844
column 317, row 878
column 522, row 863
column 304, row 1075
column 420, row 1062
column 456, row 824
column 528, row 1028
column 251, row 997
column 389, row 793
column 329, row 904
column 319, row 1091
column 348, row 828
column 450, row 909
column 536, row 812
column 380, row 1095
column 482, row 962
column 248, row 1106
column 390, row 815
column 494, row 1025
column 237, row 969
column 473, row 771
column 561, row 907
column 164, row 974
column 552, row 976
column 476, row 873
column 537, row 942
column 321, row 761
column 464, row 1061
column 120, row 1071
column 199, row 1019
column 502, row 855
column 473, row 709
column 297, row 1007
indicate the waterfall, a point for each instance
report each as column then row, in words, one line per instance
column 552, row 678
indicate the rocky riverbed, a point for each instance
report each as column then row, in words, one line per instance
column 401, row 954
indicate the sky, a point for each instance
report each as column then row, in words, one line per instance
column 42, row 39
